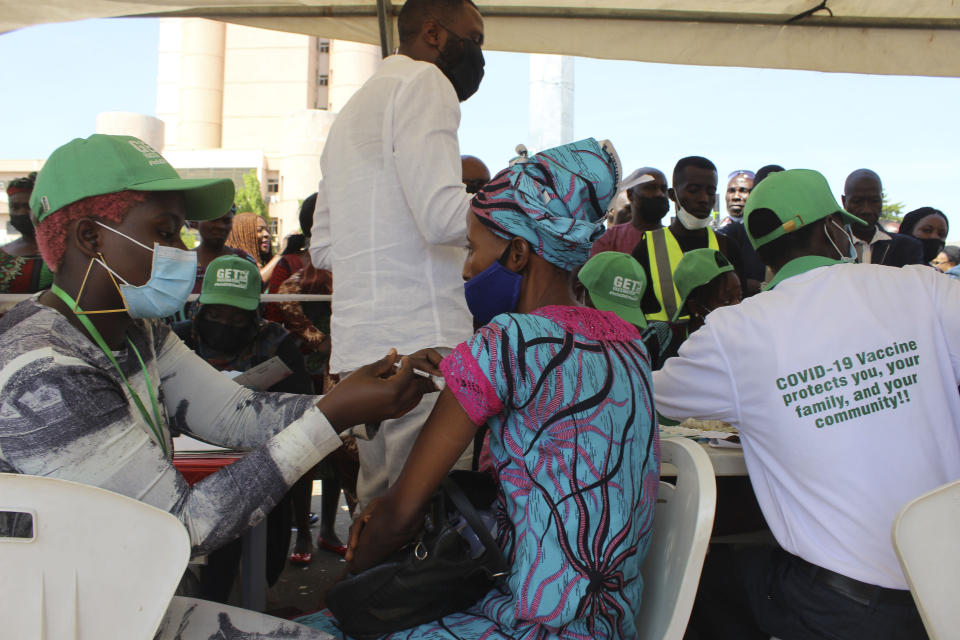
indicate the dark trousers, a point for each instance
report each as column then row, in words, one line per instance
column 763, row 591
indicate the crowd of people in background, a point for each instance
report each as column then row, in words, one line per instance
column 663, row 280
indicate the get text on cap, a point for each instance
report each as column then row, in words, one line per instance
column 103, row 164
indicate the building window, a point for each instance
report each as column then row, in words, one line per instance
column 323, row 80
column 273, row 185
column 274, row 225
column 323, row 46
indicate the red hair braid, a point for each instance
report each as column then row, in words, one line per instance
column 52, row 230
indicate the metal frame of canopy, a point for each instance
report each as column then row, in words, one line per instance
column 906, row 37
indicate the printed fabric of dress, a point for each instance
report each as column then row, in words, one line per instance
column 566, row 393
column 309, row 321
column 286, row 267
column 23, row 275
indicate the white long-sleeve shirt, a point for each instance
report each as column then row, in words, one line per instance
column 391, row 216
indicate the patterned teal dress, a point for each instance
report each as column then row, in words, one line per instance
column 567, row 395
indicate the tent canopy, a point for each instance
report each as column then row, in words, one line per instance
column 907, row 37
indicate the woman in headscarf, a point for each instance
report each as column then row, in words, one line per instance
column 251, row 234
column 928, row 225
column 565, row 391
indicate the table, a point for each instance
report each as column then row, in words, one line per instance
column 737, row 518
column 253, row 582
column 726, row 462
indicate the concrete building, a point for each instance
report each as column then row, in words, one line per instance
column 231, row 99
column 235, row 98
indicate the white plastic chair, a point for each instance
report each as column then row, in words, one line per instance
column 681, row 532
column 94, row 564
column 926, row 536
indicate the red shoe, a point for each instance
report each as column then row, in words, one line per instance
column 301, row 558
column 340, row 550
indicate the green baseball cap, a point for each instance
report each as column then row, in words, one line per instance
column 233, row 281
column 797, row 197
column 102, row 164
column 695, row 269
column 615, row 282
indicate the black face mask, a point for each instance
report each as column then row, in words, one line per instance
column 224, row 338
column 652, row 210
column 23, row 225
column 461, row 60
column 931, row 248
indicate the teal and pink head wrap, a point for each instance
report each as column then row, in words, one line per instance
column 556, row 200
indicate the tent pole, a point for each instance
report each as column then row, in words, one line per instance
column 384, row 11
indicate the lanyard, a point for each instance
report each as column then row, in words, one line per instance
column 92, row 330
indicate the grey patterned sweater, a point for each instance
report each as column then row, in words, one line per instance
column 65, row 413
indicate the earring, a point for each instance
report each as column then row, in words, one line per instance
column 76, row 304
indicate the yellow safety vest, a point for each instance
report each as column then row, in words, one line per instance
column 664, row 254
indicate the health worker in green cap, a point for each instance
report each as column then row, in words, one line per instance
column 93, row 384
column 228, row 332
column 227, row 320
column 706, row 281
column 616, row 282
column 841, row 379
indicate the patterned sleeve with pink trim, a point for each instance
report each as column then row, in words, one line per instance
column 463, row 371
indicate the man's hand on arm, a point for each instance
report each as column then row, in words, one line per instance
column 426, row 360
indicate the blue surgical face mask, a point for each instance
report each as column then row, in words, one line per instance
column 493, row 291
column 172, row 278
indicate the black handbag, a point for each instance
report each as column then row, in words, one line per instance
column 433, row 576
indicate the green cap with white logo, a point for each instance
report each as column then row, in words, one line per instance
column 616, row 282
column 233, row 281
column 788, row 200
column 103, row 164
column 695, row 269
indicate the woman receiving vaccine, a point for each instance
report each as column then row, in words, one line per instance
column 565, row 392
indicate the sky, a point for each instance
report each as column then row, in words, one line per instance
column 904, row 128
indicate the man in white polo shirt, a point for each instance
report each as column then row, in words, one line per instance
column 391, row 213
column 842, row 379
